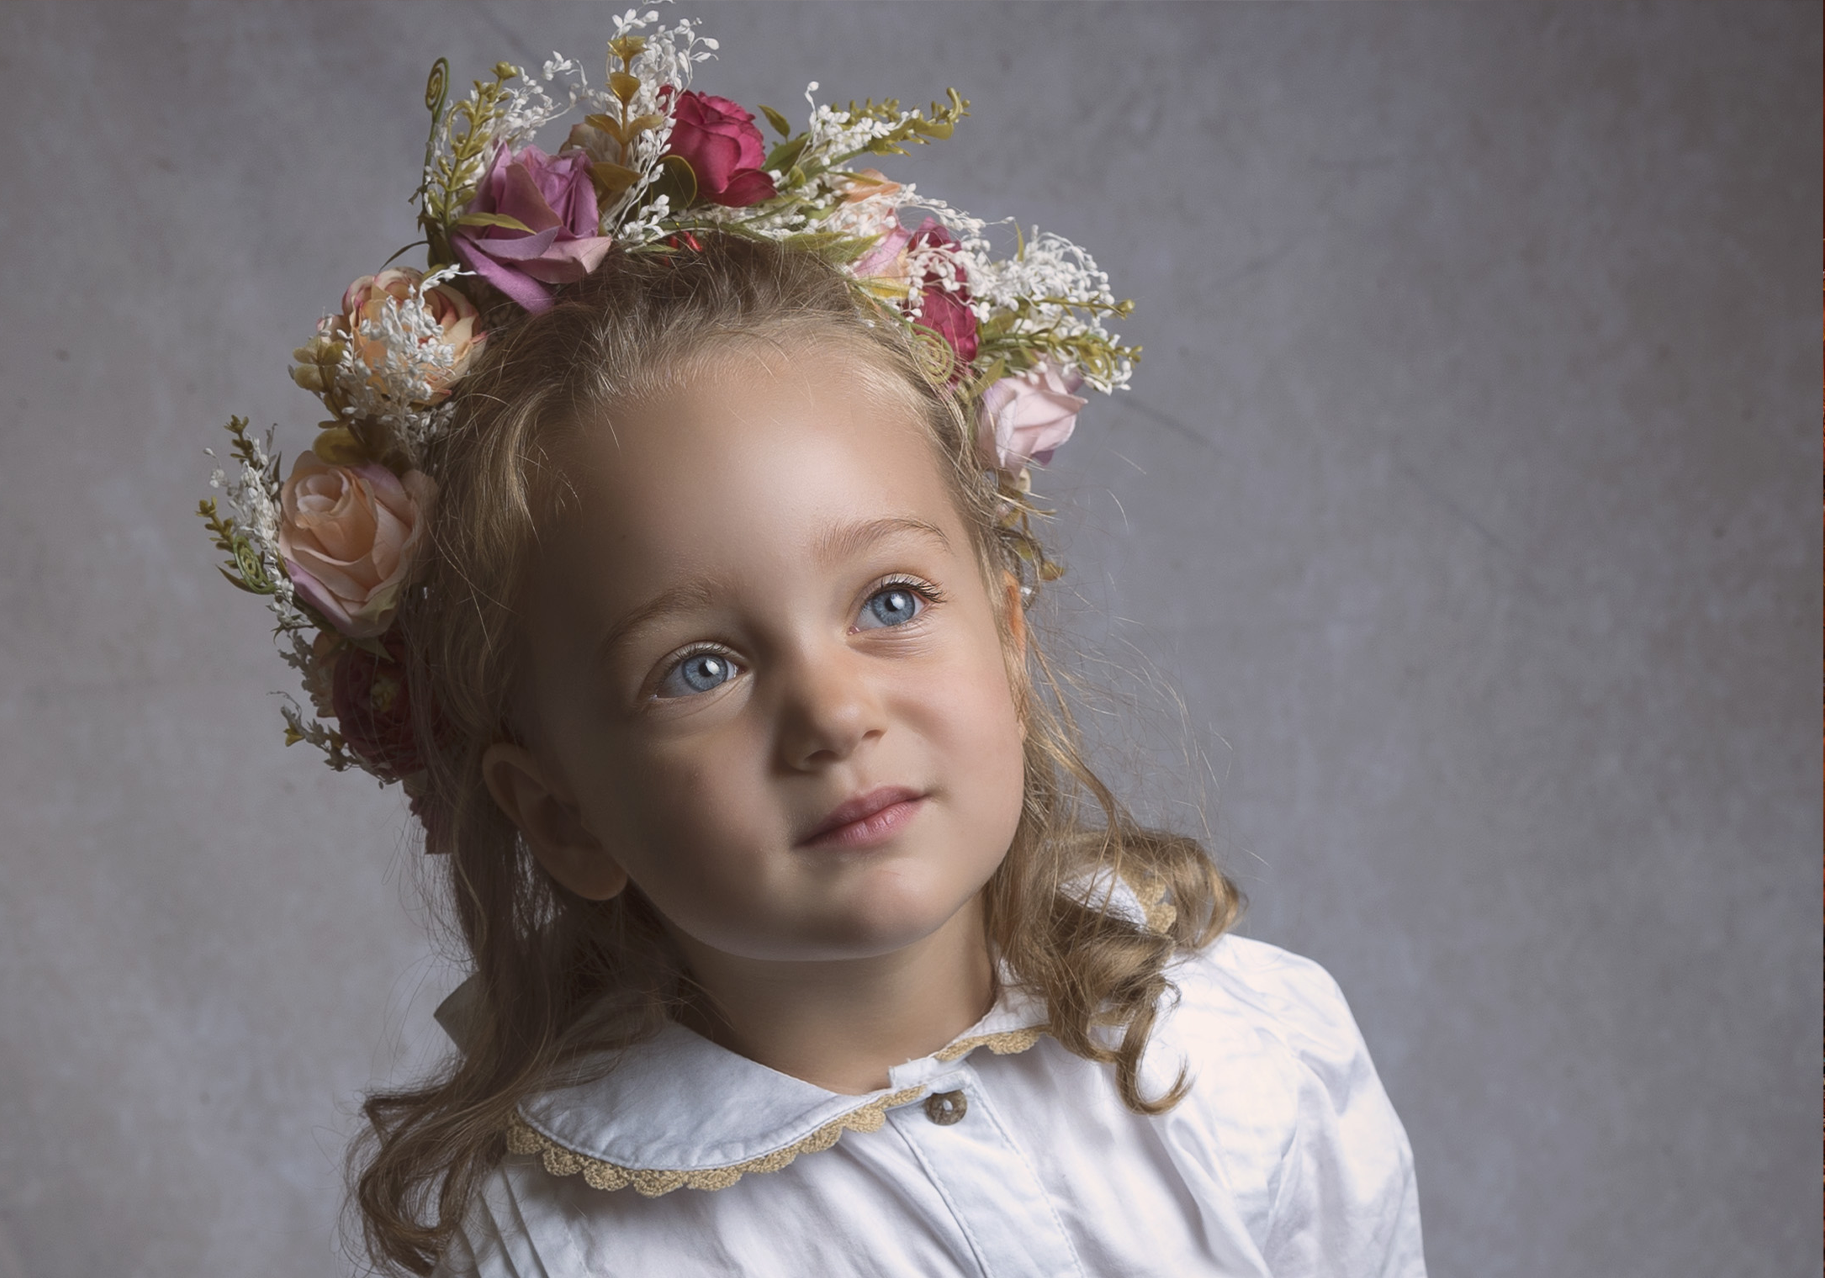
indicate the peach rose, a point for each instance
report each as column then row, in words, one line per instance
column 348, row 534
column 366, row 299
column 1024, row 418
column 869, row 206
column 868, row 184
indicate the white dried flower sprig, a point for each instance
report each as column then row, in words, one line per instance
column 1057, row 295
column 842, row 134
column 527, row 105
column 418, row 364
column 299, row 727
column 249, row 533
column 659, row 63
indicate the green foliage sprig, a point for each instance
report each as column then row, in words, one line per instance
column 452, row 175
column 246, row 566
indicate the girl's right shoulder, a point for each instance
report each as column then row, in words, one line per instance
column 1274, row 992
column 1285, row 1107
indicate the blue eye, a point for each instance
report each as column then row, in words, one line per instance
column 891, row 606
column 699, row 672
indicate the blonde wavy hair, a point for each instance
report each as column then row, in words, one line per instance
column 544, row 957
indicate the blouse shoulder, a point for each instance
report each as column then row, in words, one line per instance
column 1286, row 1110
column 1280, row 996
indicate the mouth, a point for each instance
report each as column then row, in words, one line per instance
column 865, row 821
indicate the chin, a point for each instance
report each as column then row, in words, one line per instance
column 880, row 920
column 904, row 910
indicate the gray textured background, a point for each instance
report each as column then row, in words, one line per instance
column 1466, row 496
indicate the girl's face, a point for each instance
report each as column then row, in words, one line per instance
column 767, row 684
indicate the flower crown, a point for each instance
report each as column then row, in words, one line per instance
column 650, row 162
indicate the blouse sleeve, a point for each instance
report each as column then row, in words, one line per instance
column 1345, row 1204
column 497, row 1238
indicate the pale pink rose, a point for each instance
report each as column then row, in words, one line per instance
column 887, row 260
column 1024, row 418
column 365, row 301
column 348, row 534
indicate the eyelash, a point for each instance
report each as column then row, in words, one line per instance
column 901, row 581
column 925, row 590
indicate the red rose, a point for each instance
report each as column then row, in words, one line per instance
column 373, row 709
column 718, row 139
column 944, row 311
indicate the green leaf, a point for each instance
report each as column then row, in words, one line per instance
column 677, row 179
column 988, row 377
column 611, row 179
column 383, row 266
column 778, row 121
column 785, row 155
column 238, row 584
column 494, row 219
column 623, row 85
column 832, row 246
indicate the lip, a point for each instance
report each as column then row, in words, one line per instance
column 869, row 819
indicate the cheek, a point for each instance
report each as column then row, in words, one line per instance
column 975, row 725
column 693, row 815
column 1003, row 768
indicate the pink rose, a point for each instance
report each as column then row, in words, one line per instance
column 1024, row 418
column 348, row 534
column 720, row 142
column 886, row 260
column 556, row 200
column 366, row 300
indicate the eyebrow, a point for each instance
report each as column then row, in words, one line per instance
column 680, row 598
column 846, row 539
column 834, row 543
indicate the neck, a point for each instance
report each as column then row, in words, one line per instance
column 843, row 1023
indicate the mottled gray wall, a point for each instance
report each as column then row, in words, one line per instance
column 1466, row 496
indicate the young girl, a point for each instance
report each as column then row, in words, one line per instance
column 690, row 602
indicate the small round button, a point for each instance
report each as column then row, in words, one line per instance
column 945, row 1108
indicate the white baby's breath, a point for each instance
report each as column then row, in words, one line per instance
column 418, row 363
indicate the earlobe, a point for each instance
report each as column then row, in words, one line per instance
column 523, row 789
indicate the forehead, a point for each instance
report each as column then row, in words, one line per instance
column 751, row 457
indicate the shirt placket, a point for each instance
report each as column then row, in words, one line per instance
column 986, row 1181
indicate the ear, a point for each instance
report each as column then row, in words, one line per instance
column 524, row 789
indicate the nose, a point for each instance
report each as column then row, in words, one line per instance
column 829, row 709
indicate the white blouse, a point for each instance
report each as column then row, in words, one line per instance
column 1002, row 1155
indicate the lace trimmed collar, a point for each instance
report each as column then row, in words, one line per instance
column 679, row 1112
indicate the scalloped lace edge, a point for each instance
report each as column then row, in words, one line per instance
column 559, row 1160
column 1158, row 912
